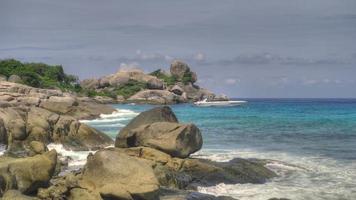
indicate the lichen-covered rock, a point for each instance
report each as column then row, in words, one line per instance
column 158, row 114
column 178, row 140
column 27, row 174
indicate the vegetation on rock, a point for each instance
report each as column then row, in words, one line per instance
column 168, row 80
column 40, row 75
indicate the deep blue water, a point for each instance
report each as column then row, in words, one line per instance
column 301, row 126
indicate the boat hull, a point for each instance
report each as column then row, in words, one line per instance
column 220, row 103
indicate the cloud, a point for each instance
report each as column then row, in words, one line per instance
column 199, row 57
column 312, row 82
column 231, row 81
column 268, row 58
column 129, row 66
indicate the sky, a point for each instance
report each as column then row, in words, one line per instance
column 254, row 48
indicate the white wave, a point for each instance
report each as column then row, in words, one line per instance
column 117, row 116
column 2, row 149
column 300, row 177
column 77, row 159
column 119, row 113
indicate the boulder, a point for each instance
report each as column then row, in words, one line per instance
column 119, row 176
column 177, row 90
column 76, row 136
column 15, row 79
column 155, row 97
column 3, row 78
column 179, row 68
column 90, row 83
column 3, row 133
column 61, row 105
column 104, row 100
column 154, row 83
column 83, row 194
column 178, row 140
column 158, row 114
column 37, row 147
column 27, row 174
column 16, row 195
column 120, row 98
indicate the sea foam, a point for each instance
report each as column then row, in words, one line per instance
column 300, row 177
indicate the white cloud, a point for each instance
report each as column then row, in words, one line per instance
column 199, row 56
column 231, row 81
column 129, row 66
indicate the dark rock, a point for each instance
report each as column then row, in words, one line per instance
column 173, row 194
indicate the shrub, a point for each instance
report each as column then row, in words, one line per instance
column 130, row 88
column 169, row 80
column 40, row 75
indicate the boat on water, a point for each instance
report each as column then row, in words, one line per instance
column 206, row 103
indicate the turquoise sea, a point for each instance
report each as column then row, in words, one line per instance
column 311, row 143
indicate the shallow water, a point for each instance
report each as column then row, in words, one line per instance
column 311, row 144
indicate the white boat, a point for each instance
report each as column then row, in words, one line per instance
column 207, row 103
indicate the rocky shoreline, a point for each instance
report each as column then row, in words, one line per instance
column 150, row 160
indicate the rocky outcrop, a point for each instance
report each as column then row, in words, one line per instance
column 23, row 125
column 26, row 174
column 121, row 78
column 159, row 87
column 159, row 97
column 14, row 95
column 190, row 173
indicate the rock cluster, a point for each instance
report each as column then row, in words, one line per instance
column 158, row 91
column 29, row 115
column 15, row 95
column 20, row 127
column 150, row 161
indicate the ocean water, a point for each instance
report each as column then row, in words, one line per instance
column 311, row 144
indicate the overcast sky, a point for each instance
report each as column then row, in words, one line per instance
column 254, row 48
